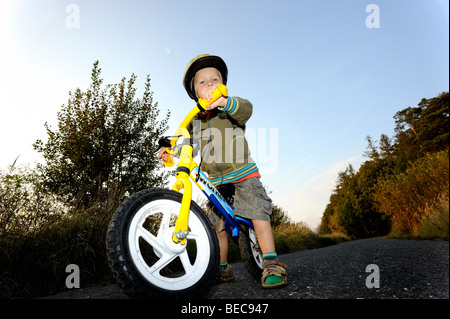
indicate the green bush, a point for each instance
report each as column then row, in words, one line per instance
column 33, row 263
column 404, row 197
column 40, row 236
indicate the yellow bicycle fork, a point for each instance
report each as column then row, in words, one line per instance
column 186, row 165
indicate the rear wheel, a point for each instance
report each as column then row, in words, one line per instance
column 145, row 260
column 250, row 251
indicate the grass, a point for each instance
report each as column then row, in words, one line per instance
column 34, row 263
column 293, row 237
column 433, row 225
column 40, row 236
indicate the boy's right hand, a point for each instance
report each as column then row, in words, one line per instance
column 207, row 94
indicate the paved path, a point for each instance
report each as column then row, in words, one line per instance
column 408, row 269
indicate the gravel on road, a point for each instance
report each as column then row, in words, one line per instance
column 405, row 269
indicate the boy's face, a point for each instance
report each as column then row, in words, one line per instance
column 205, row 82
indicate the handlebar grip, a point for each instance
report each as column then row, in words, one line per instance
column 169, row 162
column 220, row 91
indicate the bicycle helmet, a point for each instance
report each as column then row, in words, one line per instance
column 200, row 62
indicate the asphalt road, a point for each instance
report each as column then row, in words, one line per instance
column 406, row 269
column 403, row 269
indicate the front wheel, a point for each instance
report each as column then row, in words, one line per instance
column 145, row 260
column 250, row 251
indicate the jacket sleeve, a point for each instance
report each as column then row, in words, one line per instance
column 239, row 109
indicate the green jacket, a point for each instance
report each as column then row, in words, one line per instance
column 225, row 155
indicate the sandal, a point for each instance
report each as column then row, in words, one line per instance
column 274, row 268
column 225, row 275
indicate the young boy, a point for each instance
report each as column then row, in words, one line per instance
column 226, row 159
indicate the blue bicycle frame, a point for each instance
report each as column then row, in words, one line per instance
column 231, row 221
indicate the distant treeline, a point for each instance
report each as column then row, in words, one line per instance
column 403, row 185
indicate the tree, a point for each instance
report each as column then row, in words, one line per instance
column 423, row 129
column 329, row 223
column 105, row 137
column 351, row 208
column 279, row 217
column 384, row 192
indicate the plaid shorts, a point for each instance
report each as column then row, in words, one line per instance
column 250, row 201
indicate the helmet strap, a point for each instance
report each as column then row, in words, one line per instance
column 200, row 107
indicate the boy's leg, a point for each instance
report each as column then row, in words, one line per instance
column 251, row 201
column 225, row 271
column 218, row 224
column 263, row 231
column 223, row 244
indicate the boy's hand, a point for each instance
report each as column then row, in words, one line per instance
column 162, row 154
column 207, row 95
column 221, row 101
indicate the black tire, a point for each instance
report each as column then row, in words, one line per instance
column 250, row 251
column 134, row 250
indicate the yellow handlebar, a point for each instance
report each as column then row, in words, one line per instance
column 220, row 91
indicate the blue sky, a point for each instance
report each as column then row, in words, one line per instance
column 320, row 80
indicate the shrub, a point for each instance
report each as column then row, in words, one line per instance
column 435, row 223
column 404, row 197
column 40, row 236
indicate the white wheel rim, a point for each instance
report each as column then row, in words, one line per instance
column 256, row 250
column 165, row 249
